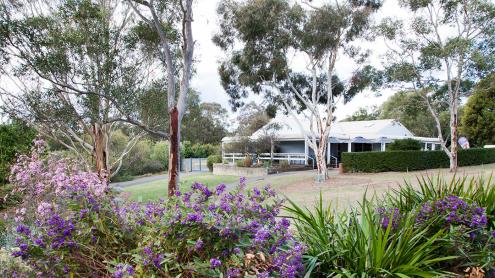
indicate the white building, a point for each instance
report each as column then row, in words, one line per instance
column 355, row 136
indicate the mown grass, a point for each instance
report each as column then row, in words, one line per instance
column 158, row 189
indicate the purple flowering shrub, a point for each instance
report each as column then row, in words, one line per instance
column 205, row 232
column 468, row 236
column 453, row 211
column 389, row 216
column 72, row 224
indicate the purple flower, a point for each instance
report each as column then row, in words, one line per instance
column 21, row 229
column 198, row 245
column 214, row 263
column 261, row 235
column 220, row 189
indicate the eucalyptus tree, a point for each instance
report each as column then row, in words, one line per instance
column 166, row 31
column 442, row 45
column 69, row 71
column 262, row 37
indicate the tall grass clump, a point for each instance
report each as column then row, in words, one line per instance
column 366, row 242
column 480, row 190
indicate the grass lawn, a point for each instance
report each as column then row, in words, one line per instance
column 342, row 191
column 158, row 189
column 346, row 190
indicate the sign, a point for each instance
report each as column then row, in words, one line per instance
column 463, row 142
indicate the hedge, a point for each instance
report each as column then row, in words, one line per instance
column 400, row 161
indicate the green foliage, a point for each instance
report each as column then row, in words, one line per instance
column 8, row 198
column 364, row 114
column 355, row 244
column 268, row 30
column 284, row 164
column 412, row 160
column 13, row 267
column 407, row 144
column 198, row 150
column 159, row 152
column 476, row 189
column 146, row 157
column 410, row 109
column 478, row 120
column 15, row 139
column 246, row 162
column 212, row 159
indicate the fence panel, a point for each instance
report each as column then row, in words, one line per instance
column 194, row 165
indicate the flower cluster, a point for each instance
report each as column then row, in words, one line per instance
column 219, row 228
column 46, row 178
column 453, row 211
column 79, row 228
column 389, row 216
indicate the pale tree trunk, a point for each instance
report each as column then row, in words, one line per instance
column 321, row 158
column 453, row 135
column 100, row 154
column 176, row 104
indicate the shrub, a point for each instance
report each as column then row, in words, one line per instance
column 85, row 232
column 8, row 197
column 479, row 190
column 159, row 152
column 412, row 160
column 213, row 159
column 284, row 164
column 407, row 144
column 198, row 150
column 248, row 161
column 14, row 139
column 13, row 267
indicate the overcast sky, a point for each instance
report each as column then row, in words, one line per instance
column 207, row 80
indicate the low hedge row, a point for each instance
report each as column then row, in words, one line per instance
column 399, row 161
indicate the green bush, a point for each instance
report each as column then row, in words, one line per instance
column 399, row 161
column 14, row 139
column 189, row 150
column 213, row 159
column 7, row 197
column 408, row 144
column 159, row 152
column 13, row 267
column 284, row 164
column 246, row 162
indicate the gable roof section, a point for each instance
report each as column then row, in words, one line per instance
column 355, row 131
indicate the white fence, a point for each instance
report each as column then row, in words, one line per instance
column 292, row 158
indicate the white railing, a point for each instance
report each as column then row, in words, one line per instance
column 233, row 156
column 283, row 156
column 266, row 156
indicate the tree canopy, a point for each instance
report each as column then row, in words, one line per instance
column 437, row 53
column 478, row 121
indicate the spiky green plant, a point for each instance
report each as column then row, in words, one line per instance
column 355, row 243
column 479, row 190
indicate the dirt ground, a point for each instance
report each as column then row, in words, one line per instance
column 345, row 190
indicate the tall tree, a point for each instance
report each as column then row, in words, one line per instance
column 251, row 117
column 436, row 51
column 170, row 23
column 478, row 119
column 71, row 73
column 261, row 37
column 364, row 114
column 410, row 109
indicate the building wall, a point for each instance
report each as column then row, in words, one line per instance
column 291, row 147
